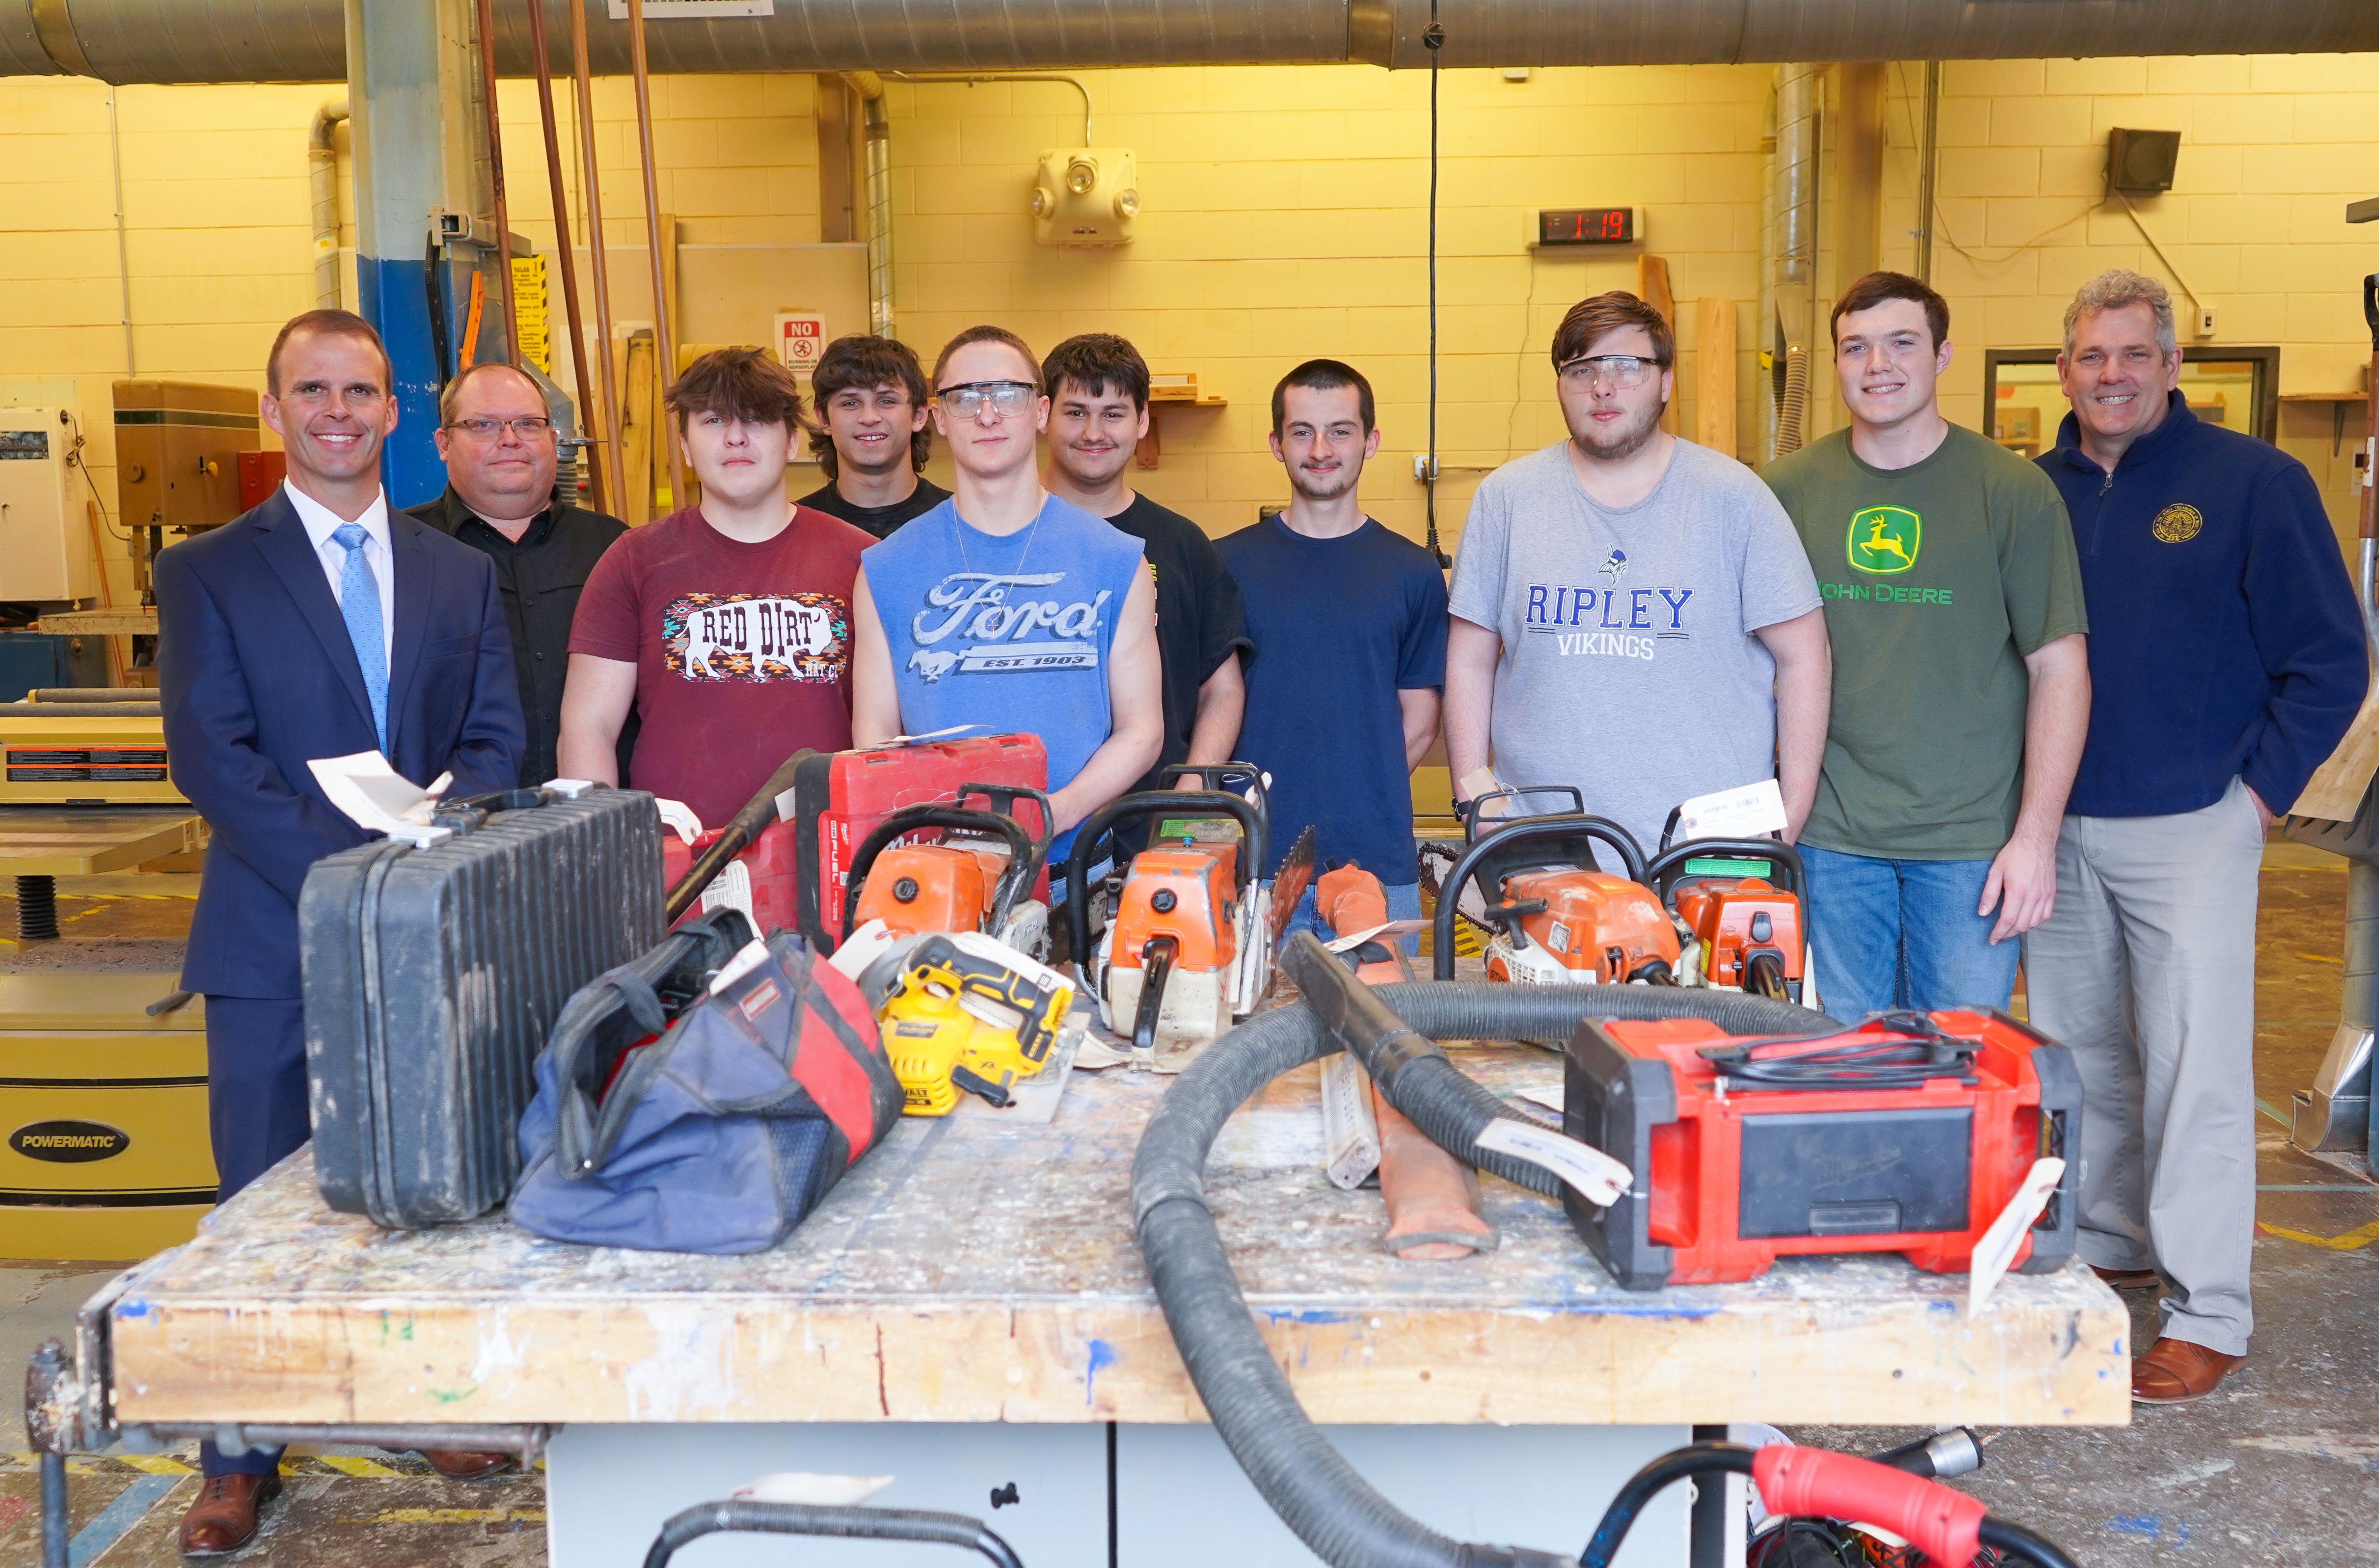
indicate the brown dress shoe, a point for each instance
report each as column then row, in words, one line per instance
column 463, row 1465
column 222, row 1516
column 2175, row 1371
column 2129, row 1279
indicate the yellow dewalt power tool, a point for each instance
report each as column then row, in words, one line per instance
column 968, row 1012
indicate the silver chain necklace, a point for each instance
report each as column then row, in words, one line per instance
column 959, row 531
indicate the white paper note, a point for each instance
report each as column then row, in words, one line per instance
column 379, row 798
column 1599, row 1178
column 1752, row 812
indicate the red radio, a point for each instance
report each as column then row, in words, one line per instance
column 1907, row 1134
column 794, row 874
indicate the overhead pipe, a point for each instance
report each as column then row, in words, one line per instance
column 290, row 41
column 589, row 418
column 322, row 177
column 877, row 133
column 1794, row 261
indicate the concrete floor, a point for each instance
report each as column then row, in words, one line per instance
column 2282, row 1467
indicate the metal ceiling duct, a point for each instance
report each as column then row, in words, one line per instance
column 200, row 40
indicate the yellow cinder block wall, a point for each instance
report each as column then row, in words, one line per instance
column 1283, row 217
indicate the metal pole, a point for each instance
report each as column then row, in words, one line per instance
column 1929, row 163
column 664, row 341
column 496, row 171
column 590, row 184
column 587, row 416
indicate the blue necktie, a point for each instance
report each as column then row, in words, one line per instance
column 359, row 602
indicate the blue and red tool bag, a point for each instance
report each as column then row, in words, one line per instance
column 1908, row 1133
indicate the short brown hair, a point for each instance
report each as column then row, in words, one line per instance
column 454, row 392
column 1590, row 320
column 1324, row 375
column 1095, row 361
column 335, row 323
column 986, row 334
column 737, row 383
column 1876, row 287
column 866, row 361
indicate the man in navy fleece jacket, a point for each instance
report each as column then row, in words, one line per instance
column 2226, row 662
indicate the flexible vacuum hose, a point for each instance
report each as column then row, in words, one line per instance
column 1300, row 1475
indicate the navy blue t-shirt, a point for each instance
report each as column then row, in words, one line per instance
column 1340, row 626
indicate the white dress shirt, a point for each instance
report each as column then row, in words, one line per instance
column 321, row 522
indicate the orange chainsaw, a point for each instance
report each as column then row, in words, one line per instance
column 1557, row 918
column 979, row 877
column 1189, row 943
column 1743, row 908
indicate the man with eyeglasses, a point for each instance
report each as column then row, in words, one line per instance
column 724, row 627
column 1007, row 608
column 1632, row 613
column 874, row 435
column 501, row 456
column 1961, row 689
column 315, row 625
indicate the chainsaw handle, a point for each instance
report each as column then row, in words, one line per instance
column 1473, row 817
column 1668, row 868
column 1946, row 1525
column 1152, row 803
column 1943, row 1524
column 1022, row 863
column 1218, row 776
column 1449, row 895
column 1003, row 798
column 732, row 840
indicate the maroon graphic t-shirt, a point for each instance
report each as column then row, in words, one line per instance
column 742, row 651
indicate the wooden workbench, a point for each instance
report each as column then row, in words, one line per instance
column 976, row 1269
column 88, row 840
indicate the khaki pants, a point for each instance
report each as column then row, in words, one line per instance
column 2147, row 972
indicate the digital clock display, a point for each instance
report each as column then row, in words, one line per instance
column 1586, row 225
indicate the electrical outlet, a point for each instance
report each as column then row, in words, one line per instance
column 1424, row 466
column 2205, row 321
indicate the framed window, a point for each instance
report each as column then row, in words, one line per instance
column 2236, row 388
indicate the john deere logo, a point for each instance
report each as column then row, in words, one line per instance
column 69, row 1143
column 1885, row 539
column 2178, row 524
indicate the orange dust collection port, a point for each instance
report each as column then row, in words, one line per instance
column 1591, row 921
column 1908, row 1133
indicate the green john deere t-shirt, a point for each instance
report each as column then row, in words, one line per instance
column 1938, row 579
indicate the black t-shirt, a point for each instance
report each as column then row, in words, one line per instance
column 1200, row 621
column 878, row 521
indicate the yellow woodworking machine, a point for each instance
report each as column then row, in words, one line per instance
column 103, row 1149
column 84, row 754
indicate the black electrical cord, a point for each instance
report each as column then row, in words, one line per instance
column 1917, row 1051
column 1433, row 38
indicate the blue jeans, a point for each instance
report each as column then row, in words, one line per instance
column 1403, row 903
column 1903, row 933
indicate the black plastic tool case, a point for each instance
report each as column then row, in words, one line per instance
column 432, row 975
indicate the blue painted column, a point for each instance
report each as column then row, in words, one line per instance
column 410, row 82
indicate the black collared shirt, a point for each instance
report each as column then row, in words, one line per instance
column 541, row 576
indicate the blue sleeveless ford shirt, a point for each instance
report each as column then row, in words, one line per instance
column 1011, row 633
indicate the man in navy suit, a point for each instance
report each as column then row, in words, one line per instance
column 318, row 624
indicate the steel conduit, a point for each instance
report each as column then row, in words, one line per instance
column 1300, row 1475
column 203, row 40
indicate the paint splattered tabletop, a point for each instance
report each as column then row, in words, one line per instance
column 981, row 1268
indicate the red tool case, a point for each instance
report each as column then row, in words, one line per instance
column 1731, row 1177
column 795, row 872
